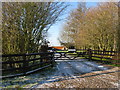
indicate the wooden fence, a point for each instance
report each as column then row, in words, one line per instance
column 22, row 64
column 104, row 56
column 112, row 57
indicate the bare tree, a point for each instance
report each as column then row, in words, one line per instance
column 118, row 44
column 74, row 26
column 94, row 27
column 26, row 23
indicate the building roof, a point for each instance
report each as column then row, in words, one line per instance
column 58, row 47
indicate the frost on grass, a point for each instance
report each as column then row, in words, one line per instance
column 68, row 74
column 99, row 79
column 26, row 81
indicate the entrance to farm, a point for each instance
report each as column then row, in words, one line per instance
column 69, row 66
column 69, row 55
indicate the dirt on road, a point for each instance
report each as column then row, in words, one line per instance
column 84, row 75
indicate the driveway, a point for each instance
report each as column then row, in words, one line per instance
column 68, row 70
column 68, row 74
column 82, row 74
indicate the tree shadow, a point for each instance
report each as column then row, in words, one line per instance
column 53, row 78
column 62, row 78
column 70, row 78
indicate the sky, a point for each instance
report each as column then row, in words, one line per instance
column 54, row 31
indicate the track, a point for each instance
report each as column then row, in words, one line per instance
column 71, row 69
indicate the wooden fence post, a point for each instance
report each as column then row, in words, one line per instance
column 11, row 65
column 44, row 49
column 41, row 60
column 52, row 58
column 34, row 58
column 90, row 54
column 103, row 55
column 112, row 53
column 25, row 64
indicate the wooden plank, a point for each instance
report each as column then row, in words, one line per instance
column 29, row 72
column 101, row 61
column 101, row 57
column 116, row 63
column 106, row 51
column 21, row 74
column 103, row 54
column 115, row 59
column 21, row 61
column 26, row 67
column 15, row 55
column 11, row 69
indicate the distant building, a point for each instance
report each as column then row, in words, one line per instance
column 59, row 47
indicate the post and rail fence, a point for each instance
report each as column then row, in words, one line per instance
column 104, row 56
column 112, row 57
column 23, row 64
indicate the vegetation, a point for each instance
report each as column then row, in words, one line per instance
column 25, row 24
column 118, row 44
column 24, row 29
column 94, row 28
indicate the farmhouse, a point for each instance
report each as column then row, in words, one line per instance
column 59, row 47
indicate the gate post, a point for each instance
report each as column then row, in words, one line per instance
column 52, row 58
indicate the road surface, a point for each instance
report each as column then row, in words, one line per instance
column 67, row 74
column 71, row 69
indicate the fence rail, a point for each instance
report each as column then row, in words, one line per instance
column 104, row 56
column 22, row 64
column 112, row 57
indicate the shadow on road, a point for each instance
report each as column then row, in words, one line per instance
column 67, row 70
column 63, row 70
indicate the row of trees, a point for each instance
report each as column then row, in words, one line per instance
column 119, row 28
column 95, row 27
column 25, row 24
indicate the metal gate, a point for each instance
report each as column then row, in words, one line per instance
column 68, row 55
